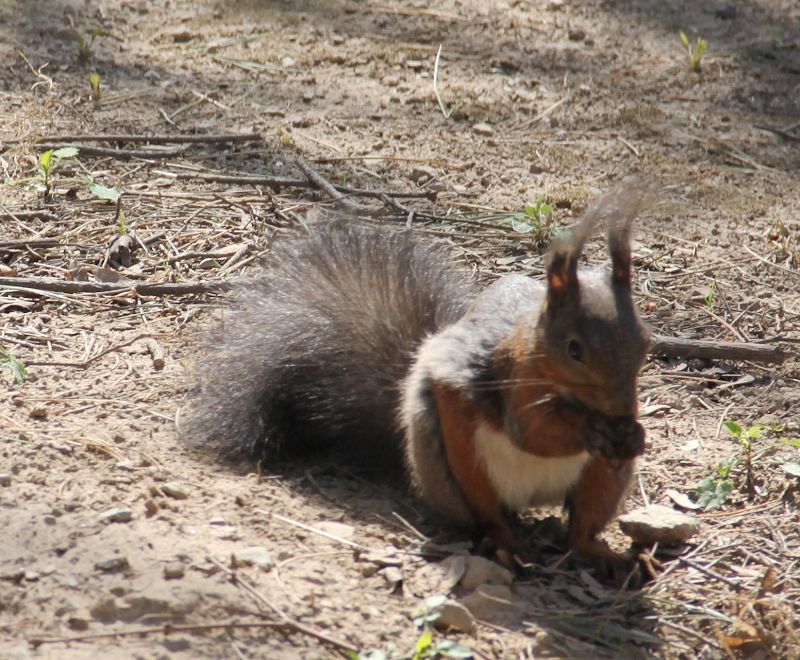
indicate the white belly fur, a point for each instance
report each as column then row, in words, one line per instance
column 523, row 479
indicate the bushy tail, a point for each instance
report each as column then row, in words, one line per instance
column 313, row 350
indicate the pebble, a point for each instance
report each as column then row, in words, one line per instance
column 658, row 524
column 174, row 570
column 5, row 479
column 483, row 129
column 174, row 490
column 456, row 616
column 78, row 623
column 480, row 571
column 256, row 555
column 489, row 601
column 116, row 515
column 112, row 564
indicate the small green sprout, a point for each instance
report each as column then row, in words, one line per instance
column 694, row 53
column 534, row 221
column 14, row 365
column 94, row 81
column 85, row 46
column 48, row 160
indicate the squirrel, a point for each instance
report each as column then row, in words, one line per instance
column 376, row 344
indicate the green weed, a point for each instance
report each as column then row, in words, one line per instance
column 48, row 161
column 85, row 45
column 14, row 365
column 694, row 53
column 535, row 221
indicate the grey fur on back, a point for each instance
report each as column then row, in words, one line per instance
column 313, row 349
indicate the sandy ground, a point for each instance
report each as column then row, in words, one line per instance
column 119, row 542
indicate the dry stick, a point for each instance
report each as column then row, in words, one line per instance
column 446, row 113
column 121, row 154
column 148, row 139
column 778, row 131
column 28, row 242
column 287, row 625
column 721, row 350
column 238, row 580
column 141, row 289
column 27, row 215
column 288, row 182
column 328, row 188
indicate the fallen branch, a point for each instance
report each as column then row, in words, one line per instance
column 719, row 350
column 24, row 284
column 277, row 182
column 285, row 626
column 146, row 139
column 329, row 189
column 121, row 154
column 28, row 242
column 28, row 215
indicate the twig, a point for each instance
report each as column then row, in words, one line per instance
column 446, row 113
column 28, row 242
column 142, row 289
column 290, row 623
column 328, row 188
column 778, row 131
column 27, row 215
column 276, row 182
column 146, row 139
column 771, row 264
column 94, row 358
column 120, row 154
column 286, row 625
column 309, row 528
column 720, row 350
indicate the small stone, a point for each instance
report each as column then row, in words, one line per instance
column 288, row 62
column 38, row 413
column 483, row 129
column 480, row 571
column 422, row 174
column 112, row 565
column 576, row 35
column 105, row 610
column 77, row 623
column 182, row 35
column 256, row 555
column 455, row 615
column 489, row 601
column 393, row 577
column 174, row 490
column 49, row 520
column 116, row 515
column 415, row 65
column 337, row 529
column 174, row 570
column 5, row 479
column 658, row 524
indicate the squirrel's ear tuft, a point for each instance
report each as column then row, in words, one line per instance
column 562, row 271
column 629, row 198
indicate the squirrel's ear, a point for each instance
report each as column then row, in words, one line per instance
column 629, row 199
column 562, row 271
column 619, row 247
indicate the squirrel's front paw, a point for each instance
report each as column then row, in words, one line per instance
column 617, row 438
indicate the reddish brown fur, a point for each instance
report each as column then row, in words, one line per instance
column 550, row 428
column 458, row 420
column 592, row 503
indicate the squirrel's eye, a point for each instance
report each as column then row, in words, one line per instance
column 574, row 349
